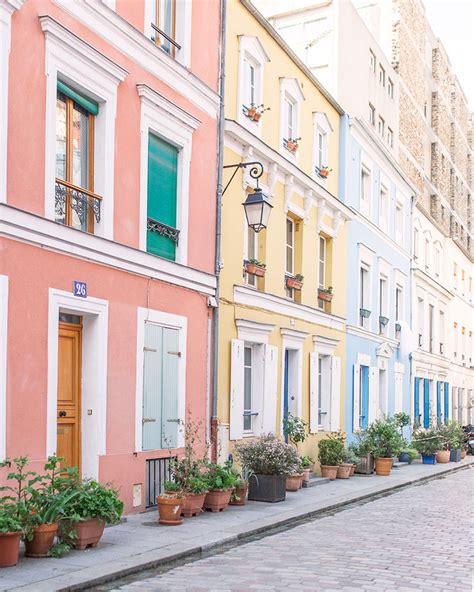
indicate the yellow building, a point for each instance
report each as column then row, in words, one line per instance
column 281, row 348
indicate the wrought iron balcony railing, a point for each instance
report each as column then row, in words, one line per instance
column 71, row 199
column 163, row 229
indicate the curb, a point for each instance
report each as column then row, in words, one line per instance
column 123, row 571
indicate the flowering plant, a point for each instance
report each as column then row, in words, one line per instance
column 427, row 441
column 268, row 455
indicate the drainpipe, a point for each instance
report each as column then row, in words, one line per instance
column 220, row 162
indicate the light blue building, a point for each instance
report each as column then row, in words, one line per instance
column 378, row 271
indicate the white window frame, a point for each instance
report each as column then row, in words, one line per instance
column 372, row 61
column 7, row 7
column 366, row 261
column 365, row 190
column 399, row 223
column 328, row 401
column 390, row 137
column 251, row 50
column 291, row 246
column 3, row 364
column 183, row 23
column 292, row 340
column 322, row 129
column 390, row 88
column 371, row 114
column 384, row 207
column 381, row 126
column 164, row 119
column 172, row 321
column 76, row 63
column 382, row 75
column 290, row 92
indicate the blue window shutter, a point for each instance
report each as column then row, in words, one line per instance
column 169, row 410
column 446, row 402
column 417, row 401
column 161, row 194
column 152, row 386
column 438, row 400
column 426, row 404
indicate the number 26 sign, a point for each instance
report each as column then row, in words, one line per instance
column 79, row 289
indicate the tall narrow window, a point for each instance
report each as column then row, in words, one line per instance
column 372, row 61
column 383, row 298
column 441, row 332
column 250, row 81
column 390, row 137
column 383, row 209
column 365, row 191
column 390, row 88
column 247, row 388
column 398, row 304
column 251, row 252
column 75, row 203
column 322, row 268
column 162, row 235
column 364, row 296
column 290, row 252
column 427, row 254
column 290, row 117
column 415, row 243
column 382, row 75
column 381, row 126
column 421, row 321
column 430, row 327
column 399, row 224
column 371, row 114
column 165, row 20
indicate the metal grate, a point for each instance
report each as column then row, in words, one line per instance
column 158, row 470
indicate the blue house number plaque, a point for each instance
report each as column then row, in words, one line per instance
column 79, row 289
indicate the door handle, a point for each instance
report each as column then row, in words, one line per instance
column 148, row 420
column 62, row 414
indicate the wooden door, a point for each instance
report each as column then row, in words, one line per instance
column 69, row 394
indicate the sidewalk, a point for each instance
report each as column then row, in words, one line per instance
column 141, row 543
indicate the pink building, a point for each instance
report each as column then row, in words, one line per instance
column 108, row 136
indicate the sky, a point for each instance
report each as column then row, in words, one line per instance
column 453, row 22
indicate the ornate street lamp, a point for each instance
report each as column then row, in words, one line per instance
column 257, row 206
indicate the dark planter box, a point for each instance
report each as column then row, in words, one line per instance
column 405, row 458
column 366, row 465
column 455, row 455
column 267, row 488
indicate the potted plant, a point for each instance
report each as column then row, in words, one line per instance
column 295, row 429
column 10, row 534
column 194, row 496
column 170, row 504
column 295, row 481
column 292, row 144
column 260, row 110
column 307, row 466
column 294, row 282
column 268, row 462
column 255, row 267
column 239, row 493
column 366, row 463
column 94, row 506
column 408, row 455
column 325, row 294
column 221, row 481
column 330, row 455
column 323, row 171
column 427, row 442
column 351, row 458
column 251, row 111
column 383, row 321
column 365, row 313
column 454, row 435
column 384, row 441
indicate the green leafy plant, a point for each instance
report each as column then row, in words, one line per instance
column 189, row 470
column 452, row 434
column 59, row 549
column 306, row 462
column 427, row 441
column 220, row 476
column 198, row 485
column 402, row 420
column 327, row 290
column 256, row 262
column 331, row 451
column 9, row 521
column 350, row 456
column 412, row 453
column 384, row 439
column 268, row 455
column 295, row 428
column 94, row 500
column 298, row 277
column 172, row 487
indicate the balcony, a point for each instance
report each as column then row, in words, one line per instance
column 76, row 206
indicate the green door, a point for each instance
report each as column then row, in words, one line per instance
column 161, row 194
column 160, row 387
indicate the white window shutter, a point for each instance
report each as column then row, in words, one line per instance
column 270, row 396
column 373, row 393
column 313, row 393
column 237, row 389
column 335, row 394
column 398, row 392
column 355, row 399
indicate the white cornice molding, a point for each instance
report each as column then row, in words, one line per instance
column 170, row 109
column 293, row 334
column 320, row 341
column 288, row 308
column 11, row 5
column 52, row 29
column 29, row 228
column 119, row 33
column 359, row 332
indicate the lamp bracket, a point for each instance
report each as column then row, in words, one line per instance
column 255, row 172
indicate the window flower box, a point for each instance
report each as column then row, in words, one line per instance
column 325, row 294
column 365, row 313
column 255, row 112
column 254, row 267
column 291, row 144
column 383, row 320
column 294, row 282
column 398, row 327
column 323, row 171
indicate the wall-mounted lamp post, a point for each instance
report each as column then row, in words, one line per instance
column 257, row 206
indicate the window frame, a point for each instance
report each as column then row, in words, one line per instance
column 290, row 293
column 365, row 202
column 322, row 130
column 182, row 29
column 384, row 208
column 372, row 61
column 381, row 126
column 290, row 93
column 157, row 21
column 371, row 114
column 390, row 88
column 382, row 75
column 250, row 430
column 390, row 137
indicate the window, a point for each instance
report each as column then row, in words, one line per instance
column 76, row 204
column 415, row 243
column 390, row 88
column 430, row 327
column 290, row 252
column 162, row 235
column 365, row 191
column 248, row 388
column 383, row 298
column 398, row 304
column 322, row 268
column 321, row 157
column 252, row 60
column 372, row 61
column 421, row 321
column 390, row 137
column 383, row 209
column 399, row 224
column 251, row 252
column 324, row 390
column 323, row 128
column 250, row 86
column 381, row 126
column 364, row 296
column 382, row 75
column 441, row 332
column 427, row 254
column 371, row 114
column 164, row 17
column 289, row 116
column 437, row 261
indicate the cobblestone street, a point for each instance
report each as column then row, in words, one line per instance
column 417, row 539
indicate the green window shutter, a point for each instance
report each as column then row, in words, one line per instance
column 161, row 193
column 88, row 104
column 152, row 386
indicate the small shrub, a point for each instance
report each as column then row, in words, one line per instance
column 331, row 451
column 268, row 455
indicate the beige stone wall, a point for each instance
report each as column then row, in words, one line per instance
column 459, row 150
column 441, row 72
column 441, row 119
column 440, row 171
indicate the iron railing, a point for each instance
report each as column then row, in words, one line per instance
column 158, row 470
column 85, row 204
column 169, row 50
column 163, row 229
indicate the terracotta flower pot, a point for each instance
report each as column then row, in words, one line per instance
column 294, row 482
column 241, row 494
column 192, row 504
column 293, row 283
column 327, row 296
column 329, row 472
column 383, row 466
column 88, row 533
column 307, row 474
column 324, row 173
column 217, row 500
column 251, row 112
column 442, row 456
column 255, row 269
column 344, row 471
column 169, row 509
column 9, row 548
column 353, row 468
column 256, row 116
column 42, row 541
column 463, row 454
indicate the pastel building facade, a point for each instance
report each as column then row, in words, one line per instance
column 281, row 348
column 105, row 316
